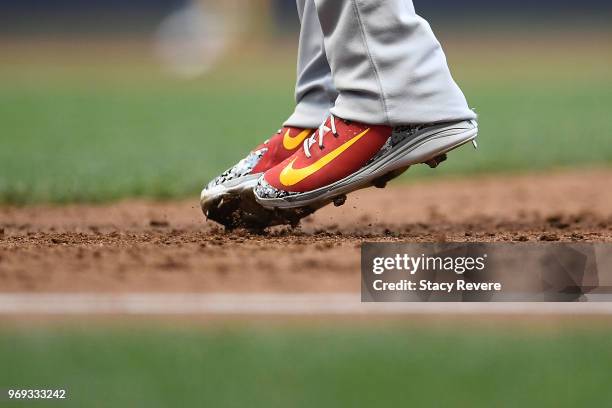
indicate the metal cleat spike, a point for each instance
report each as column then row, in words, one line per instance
column 435, row 162
column 340, row 200
column 475, row 143
column 380, row 183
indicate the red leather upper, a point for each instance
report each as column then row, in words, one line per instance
column 348, row 152
column 277, row 152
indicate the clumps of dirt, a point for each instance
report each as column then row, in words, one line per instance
column 549, row 237
column 315, row 257
column 140, row 245
column 243, row 212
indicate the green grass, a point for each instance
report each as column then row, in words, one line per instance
column 394, row 365
column 72, row 144
column 83, row 133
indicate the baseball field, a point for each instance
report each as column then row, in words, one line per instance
column 103, row 155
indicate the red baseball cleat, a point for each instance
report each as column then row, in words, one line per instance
column 344, row 156
column 220, row 198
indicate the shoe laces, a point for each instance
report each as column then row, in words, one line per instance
column 318, row 136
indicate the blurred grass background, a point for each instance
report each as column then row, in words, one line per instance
column 99, row 119
column 324, row 365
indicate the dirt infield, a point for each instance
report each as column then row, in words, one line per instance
column 139, row 246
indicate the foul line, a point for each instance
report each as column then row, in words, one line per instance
column 307, row 304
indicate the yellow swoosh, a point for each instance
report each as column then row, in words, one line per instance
column 291, row 143
column 290, row 176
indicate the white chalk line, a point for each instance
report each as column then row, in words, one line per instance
column 252, row 304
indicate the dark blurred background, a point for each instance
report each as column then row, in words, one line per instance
column 134, row 16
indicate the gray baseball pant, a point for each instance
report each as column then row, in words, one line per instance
column 371, row 61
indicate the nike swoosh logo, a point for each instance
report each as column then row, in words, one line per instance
column 290, row 176
column 291, row 143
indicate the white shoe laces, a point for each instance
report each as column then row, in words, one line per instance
column 321, row 132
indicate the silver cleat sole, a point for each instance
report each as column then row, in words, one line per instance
column 426, row 146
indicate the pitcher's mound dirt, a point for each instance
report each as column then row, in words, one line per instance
column 137, row 246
